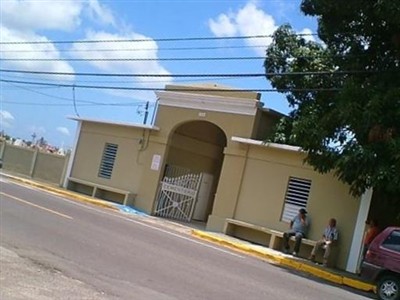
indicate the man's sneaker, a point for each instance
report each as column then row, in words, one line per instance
column 294, row 253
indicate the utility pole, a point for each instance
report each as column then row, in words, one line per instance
column 33, row 138
column 146, row 113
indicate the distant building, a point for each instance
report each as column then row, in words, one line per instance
column 19, row 142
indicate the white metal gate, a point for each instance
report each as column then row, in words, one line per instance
column 177, row 194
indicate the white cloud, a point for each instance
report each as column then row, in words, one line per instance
column 21, row 20
column 63, row 130
column 67, row 15
column 145, row 50
column 223, row 26
column 32, row 51
column 34, row 15
column 307, row 34
column 101, row 13
column 6, row 118
column 247, row 21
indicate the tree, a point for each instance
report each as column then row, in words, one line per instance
column 344, row 91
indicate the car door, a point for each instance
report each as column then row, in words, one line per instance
column 391, row 248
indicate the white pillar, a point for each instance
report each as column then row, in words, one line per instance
column 356, row 244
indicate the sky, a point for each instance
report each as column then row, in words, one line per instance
column 64, row 27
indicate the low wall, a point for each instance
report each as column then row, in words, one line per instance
column 33, row 163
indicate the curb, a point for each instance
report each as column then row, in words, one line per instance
column 59, row 191
column 287, row 262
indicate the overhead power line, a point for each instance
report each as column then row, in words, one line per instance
column 129, row 75
column 132, row 49
column 119, row 81
column 80, row 101
column 149, row 40
column 80, row 104
column 226, row 75
column 162, row 89
column 136, row 59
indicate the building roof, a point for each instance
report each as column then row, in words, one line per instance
column 213, row 89
column 108, row 122
column 265, row 144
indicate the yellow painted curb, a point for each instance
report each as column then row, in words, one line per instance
column 291, row 263
column 288, row 262
column 237, row 246
column 357, row 284
column 338, row 279
column 58, row 191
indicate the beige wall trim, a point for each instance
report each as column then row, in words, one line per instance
column 125, row 124
column 263, row 144
column 209, row 103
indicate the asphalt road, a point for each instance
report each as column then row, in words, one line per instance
column 62, row 249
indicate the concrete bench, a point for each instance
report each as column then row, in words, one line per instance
column 273, row 238
column 101, row 191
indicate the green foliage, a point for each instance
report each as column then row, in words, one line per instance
column 347, row 119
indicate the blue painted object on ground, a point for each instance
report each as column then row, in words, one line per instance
column 130, row 210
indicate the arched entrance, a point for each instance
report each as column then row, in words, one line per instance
column 192, row 170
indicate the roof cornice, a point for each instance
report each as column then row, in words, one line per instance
column 209, row 102
column 108, row 122
column 266, row 144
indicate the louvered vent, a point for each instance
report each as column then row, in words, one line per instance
column 296, row 197
column 107, row 161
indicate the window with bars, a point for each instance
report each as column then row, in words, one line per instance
column 296, row 197
column 107, row 160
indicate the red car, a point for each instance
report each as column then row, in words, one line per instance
column 382, row 264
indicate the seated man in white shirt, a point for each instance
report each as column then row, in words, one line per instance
column 329, row 239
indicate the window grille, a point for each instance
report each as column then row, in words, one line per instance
column 107, row 160
column 296, row 197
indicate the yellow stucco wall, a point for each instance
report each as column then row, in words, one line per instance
column 262, row 191
column 169, row 118
column 193, row 154
column 127, row 170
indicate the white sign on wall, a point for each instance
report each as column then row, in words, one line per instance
column 155, row 163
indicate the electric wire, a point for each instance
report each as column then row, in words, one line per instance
column 132, row 80
column 133, row 49
column 170, row 89
column 80, row 101
column 149, row 39
column 137, row 59
column 236, row 75
column 74, row 101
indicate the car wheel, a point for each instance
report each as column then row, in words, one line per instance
column 388, row 288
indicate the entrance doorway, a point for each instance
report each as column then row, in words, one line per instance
column 193, row 166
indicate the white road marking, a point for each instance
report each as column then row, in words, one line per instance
column 35, row 205
column 136, row 222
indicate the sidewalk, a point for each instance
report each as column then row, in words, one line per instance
column 272, row 256
column 285, row 260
